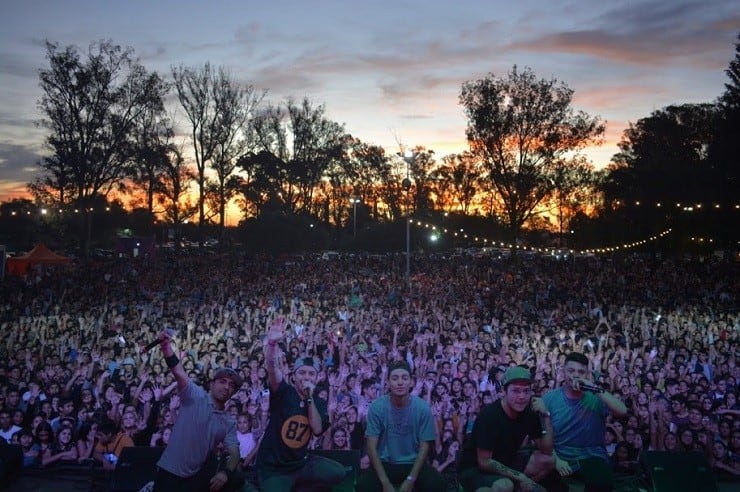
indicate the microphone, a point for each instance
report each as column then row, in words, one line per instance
column 592, row 387
column 146, row 348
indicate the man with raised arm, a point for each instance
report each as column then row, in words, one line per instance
column 201, row 425
column 296, row 414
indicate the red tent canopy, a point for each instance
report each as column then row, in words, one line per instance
column 39, row 255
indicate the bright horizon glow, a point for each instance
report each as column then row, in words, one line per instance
column 390, row 71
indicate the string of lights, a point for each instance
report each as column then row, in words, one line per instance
column 492, row 243
column 46, row 211
column 685, row 206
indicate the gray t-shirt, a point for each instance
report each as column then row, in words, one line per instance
column 199, row 427
column 400, row 431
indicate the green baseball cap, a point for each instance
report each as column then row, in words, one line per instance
column 516, row 373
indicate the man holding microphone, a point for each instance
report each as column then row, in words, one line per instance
column 578, row 411
column 201, row 425
column 283, row 462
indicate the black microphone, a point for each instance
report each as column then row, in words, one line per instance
column 592, row 387
column 146, row 348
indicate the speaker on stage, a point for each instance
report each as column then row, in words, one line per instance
column 669, row 471
column 136, row 467
column 11, row 462
column 351, row 461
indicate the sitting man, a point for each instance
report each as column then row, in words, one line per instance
column 579, row 409
column 296, row 414
column 400, row 430
column 491, row 461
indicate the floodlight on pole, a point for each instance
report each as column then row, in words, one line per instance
column 354, row 201
column 408, row 157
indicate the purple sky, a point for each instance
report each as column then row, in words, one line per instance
column 390, row 71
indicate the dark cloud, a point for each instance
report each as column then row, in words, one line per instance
column 18, row 162
column 655, row 15
column 653, row 33
column 153, row 52
column 16, row 65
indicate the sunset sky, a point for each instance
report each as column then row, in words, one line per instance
column 389, row 70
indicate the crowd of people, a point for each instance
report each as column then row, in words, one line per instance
column 658, row 335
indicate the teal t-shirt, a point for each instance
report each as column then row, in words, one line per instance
column 400, row 431
column 578, row 425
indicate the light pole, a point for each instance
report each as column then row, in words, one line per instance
column 354, row 200
column 408, row 156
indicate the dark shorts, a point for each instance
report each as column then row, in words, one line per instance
column 473, row 479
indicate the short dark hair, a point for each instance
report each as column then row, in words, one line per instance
column 108, row 427
column 398, row 364
column 577, row 357
column 367, row 383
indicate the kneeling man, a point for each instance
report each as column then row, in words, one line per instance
column 491, row 460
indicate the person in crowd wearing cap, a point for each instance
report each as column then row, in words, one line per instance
column 491, row 460
column 283, row 462
column 400, row 432
column 578, row 410
column 202, row 424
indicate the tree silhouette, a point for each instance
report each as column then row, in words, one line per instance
column 218, row 109
column 90, row 107
column 723, row 154
column 522, row 128
column 294, row 146
column 457, row 180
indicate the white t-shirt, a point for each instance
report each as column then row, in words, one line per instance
column 246, row 443
column 9, row 433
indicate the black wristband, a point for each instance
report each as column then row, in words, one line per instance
column 171, row 361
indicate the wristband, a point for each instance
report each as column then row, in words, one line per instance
column 171, row 361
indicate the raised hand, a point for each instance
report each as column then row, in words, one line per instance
column 174, row 402
column 157, row 392
column 146, row 395
column 276, row 331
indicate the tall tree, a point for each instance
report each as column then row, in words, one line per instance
column 457, row 180
column 731, row 96
column 173, row 193
column 90, row 105
column 152, row 136
column 573, row 184
column 217, row 108
column 522, row 127
column 317, row 142
column 368, row 164
column 662, row 162
column 723, row 154
column 421, row 165
column 662, row 157
column 300, row 144
column 235, row 104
